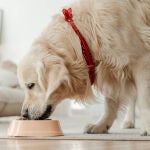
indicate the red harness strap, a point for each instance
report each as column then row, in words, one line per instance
column 85, row 48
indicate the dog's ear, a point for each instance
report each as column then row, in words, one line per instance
column 57, row 73
column 41, row 71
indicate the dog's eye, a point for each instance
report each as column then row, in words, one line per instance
column 30, row 86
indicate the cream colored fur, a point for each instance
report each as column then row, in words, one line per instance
column 118, row 34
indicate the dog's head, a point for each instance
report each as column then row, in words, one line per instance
column 47, row 81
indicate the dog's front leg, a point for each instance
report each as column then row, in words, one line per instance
column 102, row 126
column 129, row 121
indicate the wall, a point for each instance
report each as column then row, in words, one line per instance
column 23, row 20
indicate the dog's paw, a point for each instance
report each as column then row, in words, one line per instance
column 96, row 128
column 145, row 132
column 128, row 124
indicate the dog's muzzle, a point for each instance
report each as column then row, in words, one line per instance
column 45, row 115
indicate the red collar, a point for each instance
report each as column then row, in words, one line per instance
column 85, row 48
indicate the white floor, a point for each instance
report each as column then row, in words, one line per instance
column 70, row 125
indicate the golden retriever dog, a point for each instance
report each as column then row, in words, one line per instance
column 118, row 34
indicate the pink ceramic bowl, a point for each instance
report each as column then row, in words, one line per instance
column 34, row 128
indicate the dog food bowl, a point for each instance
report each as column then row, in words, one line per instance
column 34, row 128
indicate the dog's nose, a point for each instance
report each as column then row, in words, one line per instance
column 25, row 113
